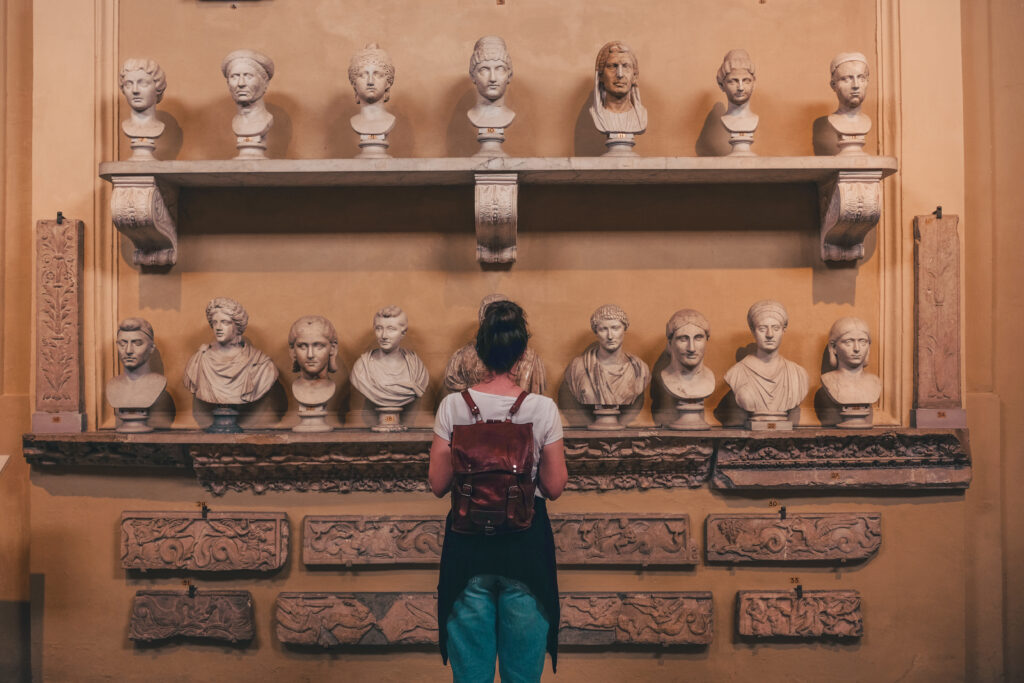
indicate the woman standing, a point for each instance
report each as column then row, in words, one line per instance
column 498, row 595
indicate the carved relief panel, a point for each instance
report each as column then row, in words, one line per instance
column 814, row 615
column 214, row 614
column 803, row 537
column 217, row 541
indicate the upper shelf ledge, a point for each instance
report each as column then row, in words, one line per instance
column 144, row 200
column 462, row 171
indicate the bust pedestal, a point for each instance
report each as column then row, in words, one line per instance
column 225, row 420
column 142, row 135
column 389, row 419
column 311, row 419
column 131, row 397
column 855, row 416
column 251, row 146
column 133, row 420
column 490, row 140
column 761, row 422
column 851, row 132
column 373, row 146
column 741, row 127
column 691, row 415
column 312, row 396
column 606, row 419
column 620, row 145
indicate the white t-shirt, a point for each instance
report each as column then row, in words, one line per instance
column 539, row 410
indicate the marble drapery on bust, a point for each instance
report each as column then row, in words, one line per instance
column 465, row 368
column 229, row 371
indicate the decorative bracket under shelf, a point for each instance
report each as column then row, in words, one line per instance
column 497, row 217
column 145, row 211
column 851, row 203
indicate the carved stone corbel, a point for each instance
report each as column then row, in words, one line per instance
column 146, row 211
column 497, row 216
column 851, row 204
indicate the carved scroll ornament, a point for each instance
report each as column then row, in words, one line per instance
column 213, row 614
column 145, row 211
column 219, row 541
column 368, row 619
column 814, row 615
column 850, row 208
column 497, row 216
column 802, row 537
column 579, row 539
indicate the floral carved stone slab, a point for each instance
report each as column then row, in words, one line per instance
column 215, row 615
column 802, row 537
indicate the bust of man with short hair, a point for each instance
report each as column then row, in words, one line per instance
column 605, row 375
column 849, row 75
column 390, row 376
column 138, row 386
column 686, row 376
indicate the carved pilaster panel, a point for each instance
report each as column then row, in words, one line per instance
column 497, row 217
column 677, row 618
column 814, row 615
column 145, row 211
column 374, row 619
column 220, row 541
column 887, row 460
column 210, row 614
column 850, row 208
column 800, row 537
column 59, row 387
column 938, row 399
column 579, row 539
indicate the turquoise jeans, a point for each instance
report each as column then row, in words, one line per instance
column 496, row 617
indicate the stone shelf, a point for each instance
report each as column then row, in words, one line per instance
column 361, row 460
column 145, row 193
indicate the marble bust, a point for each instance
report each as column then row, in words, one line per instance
column 372, row 74
column 313, row 346
column 230, row 371
column 849, row 385
column 765, row 384
column 134, row 392
column 143, row 83
column 605, row 376
column 465, row 368
column 686, row 376
column 736, row 79
column 248, row 74
column 616, row 108
column 849, row 79
column 390, row 376
column 490, row 69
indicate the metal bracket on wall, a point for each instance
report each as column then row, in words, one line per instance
column 145, row 211
column 850, row 208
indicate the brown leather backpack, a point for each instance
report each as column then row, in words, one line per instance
column 493, row 464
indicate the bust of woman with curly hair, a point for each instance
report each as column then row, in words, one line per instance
column 230, row 370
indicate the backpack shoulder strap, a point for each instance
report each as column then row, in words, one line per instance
column 472, row 406
column 515, row 406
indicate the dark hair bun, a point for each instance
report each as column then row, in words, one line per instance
column 502, row 336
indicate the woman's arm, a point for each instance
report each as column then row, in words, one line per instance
column 440, row 474
column 553, row 474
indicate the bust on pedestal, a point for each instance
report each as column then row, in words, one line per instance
column 313, row 345
column 465, row 369
column 686, row 377
column 230, row 372
column 765, row 384
column 132, row 393
column 605, row 377
column 372, row 74
column 849, row 79
column 389, row 376
column 616, row 109
column 248, row 74
column 849, row 386
column 736, row 79
column 143, row 83
column 490, row 69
